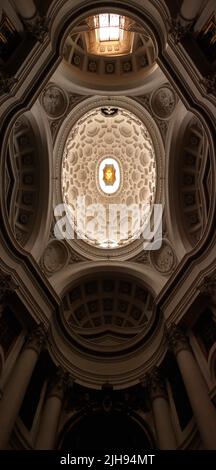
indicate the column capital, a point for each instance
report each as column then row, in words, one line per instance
column 7, row 284
column 209, row 82
column 156, row 385
column 6, row 82
column 178, row 30
column 59, row 384
column 37, row 339
column 177, row 340
column 208, row 287
column 37, row 26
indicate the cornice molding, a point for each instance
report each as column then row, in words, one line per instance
column 89, row 371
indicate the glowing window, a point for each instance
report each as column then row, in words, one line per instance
column 109, row 27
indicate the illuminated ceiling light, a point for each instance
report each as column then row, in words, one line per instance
column 109, row 27
column 109, row 175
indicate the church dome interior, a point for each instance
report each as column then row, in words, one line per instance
column 107, row 45
column 115, row 141
column 108, row 312
column 107, row 241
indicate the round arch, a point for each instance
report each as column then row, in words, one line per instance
column 117, row 429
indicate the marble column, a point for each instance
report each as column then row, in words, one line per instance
column 26, row 8
column 161, row 410
column 183, row 23
column 35, row 24
column 208, row 287
column 7, row 284
column 51, row 413
column 7, row 287
column 203, row 409
column 190, row 9
column 17, row 385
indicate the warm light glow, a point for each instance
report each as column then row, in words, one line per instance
column 109, row 27
column 109, row 35
column 109, row 175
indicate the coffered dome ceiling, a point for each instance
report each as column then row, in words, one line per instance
column 109, row 45
column 107, row 314
column 108, row 159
